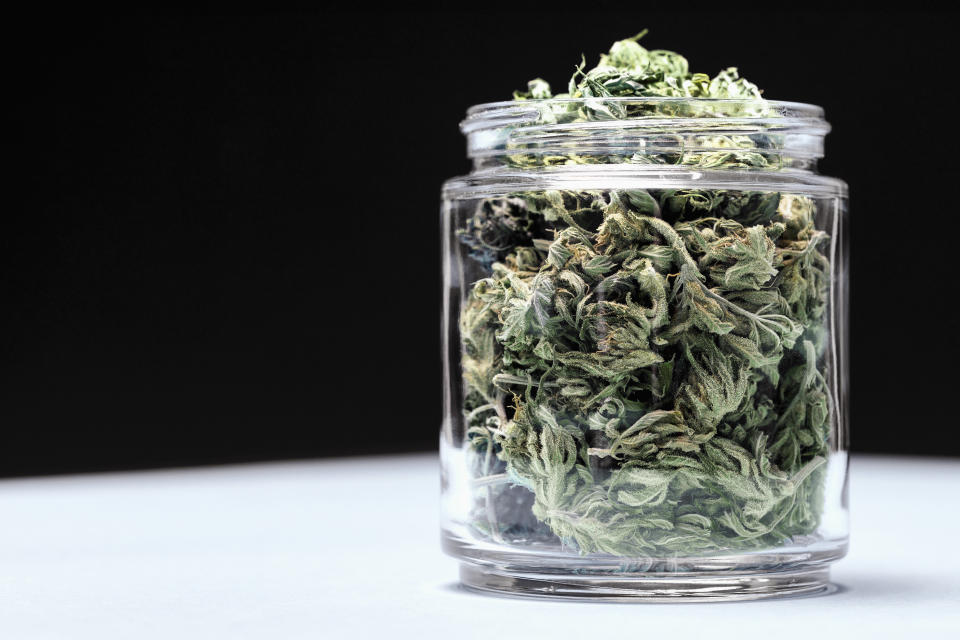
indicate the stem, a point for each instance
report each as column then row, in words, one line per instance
column 473, row 414
column 494, row 479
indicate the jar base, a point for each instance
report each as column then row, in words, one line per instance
column 653, row 588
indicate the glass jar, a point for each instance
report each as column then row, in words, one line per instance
column 644, row 325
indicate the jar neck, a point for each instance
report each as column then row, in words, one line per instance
column 696, row 133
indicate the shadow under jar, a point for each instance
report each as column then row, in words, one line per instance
column 644, row 328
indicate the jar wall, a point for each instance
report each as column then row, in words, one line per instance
column 643, row 380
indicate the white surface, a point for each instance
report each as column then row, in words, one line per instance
column 349, row 549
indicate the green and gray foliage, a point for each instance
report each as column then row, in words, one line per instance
column 630, row 71
column 647, row 365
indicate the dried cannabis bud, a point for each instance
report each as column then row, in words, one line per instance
column 629, row 70
column 644, row 369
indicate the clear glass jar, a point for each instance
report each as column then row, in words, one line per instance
column 644, row 327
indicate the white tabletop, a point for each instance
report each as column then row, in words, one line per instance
column 349, row 549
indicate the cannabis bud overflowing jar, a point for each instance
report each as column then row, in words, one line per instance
column 644, row 324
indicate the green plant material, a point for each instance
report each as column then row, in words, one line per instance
column 630, row 71
column 647, row 365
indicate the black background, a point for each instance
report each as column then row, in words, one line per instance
column 227, row 247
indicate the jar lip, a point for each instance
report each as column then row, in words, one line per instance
column 799, row 108
column 616, row 129
column 679, row 110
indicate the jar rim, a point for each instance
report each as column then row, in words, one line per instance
column 786, row 133
column 799, row 108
